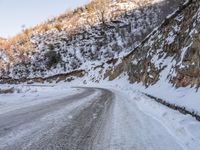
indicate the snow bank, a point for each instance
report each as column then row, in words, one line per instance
column 184, row 97
column 184, row 128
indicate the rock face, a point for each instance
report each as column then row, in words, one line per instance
column 92, row 34
column 170, row 53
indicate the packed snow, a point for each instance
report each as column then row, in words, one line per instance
column 131, row 110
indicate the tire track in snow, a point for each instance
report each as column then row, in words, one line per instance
column 96, row 119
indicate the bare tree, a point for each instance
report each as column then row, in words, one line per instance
column 100, row 7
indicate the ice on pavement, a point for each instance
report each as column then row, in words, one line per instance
column 136, row 122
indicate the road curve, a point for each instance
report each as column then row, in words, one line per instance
column 91, row 120
column 81, row 120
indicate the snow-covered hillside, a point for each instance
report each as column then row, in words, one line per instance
column 166, row 64
column 171, row 53
column 87, row 36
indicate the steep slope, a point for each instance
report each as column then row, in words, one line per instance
column 89, row 35
column 3, row 55
column 171, row 53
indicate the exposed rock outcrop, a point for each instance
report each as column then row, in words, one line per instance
column 170, row 53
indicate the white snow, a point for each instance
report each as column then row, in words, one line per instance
column 185, row 97
column 183, row 129
column 50, row 123
column 26, row 95
column 131, row 112
column 171, row 37
column 183, row 51
column 131, row 128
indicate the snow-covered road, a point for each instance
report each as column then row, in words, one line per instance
column 93, row 119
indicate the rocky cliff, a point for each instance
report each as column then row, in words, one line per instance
column 171, row 53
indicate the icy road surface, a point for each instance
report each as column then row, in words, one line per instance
column 94, row 119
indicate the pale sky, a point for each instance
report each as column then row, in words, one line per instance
column 15, row 13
